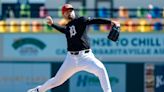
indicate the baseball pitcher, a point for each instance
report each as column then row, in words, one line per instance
column 79, row 56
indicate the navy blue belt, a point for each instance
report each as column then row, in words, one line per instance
column 78, row 52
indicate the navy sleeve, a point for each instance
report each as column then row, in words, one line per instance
column 98, row 21
column 59, row 28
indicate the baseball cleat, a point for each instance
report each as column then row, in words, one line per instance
column 34, row 90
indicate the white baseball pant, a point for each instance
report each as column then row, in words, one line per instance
column 75, row 63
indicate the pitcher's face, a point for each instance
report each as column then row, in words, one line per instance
column 69, row 14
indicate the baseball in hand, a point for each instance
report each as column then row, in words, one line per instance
column 49, row 20
column 116, row 23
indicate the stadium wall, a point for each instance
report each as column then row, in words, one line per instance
column 19, row 76
column 131, row 47
column 137, row 58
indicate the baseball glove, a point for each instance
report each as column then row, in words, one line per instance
column 114, row 33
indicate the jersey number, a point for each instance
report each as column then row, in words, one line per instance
column 72, row 31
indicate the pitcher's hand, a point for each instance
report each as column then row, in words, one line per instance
column 49, row 20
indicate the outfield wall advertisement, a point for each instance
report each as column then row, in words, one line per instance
column 33, row 46
column 159, row 78
column 154, row 77
column 53, row 46
column 130, row 45
column 19, row 77
column 86, row 82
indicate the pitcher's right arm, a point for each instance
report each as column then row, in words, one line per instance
column 50, row 22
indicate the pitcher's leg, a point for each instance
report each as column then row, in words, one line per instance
column 96, row 67
column 65, row 72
